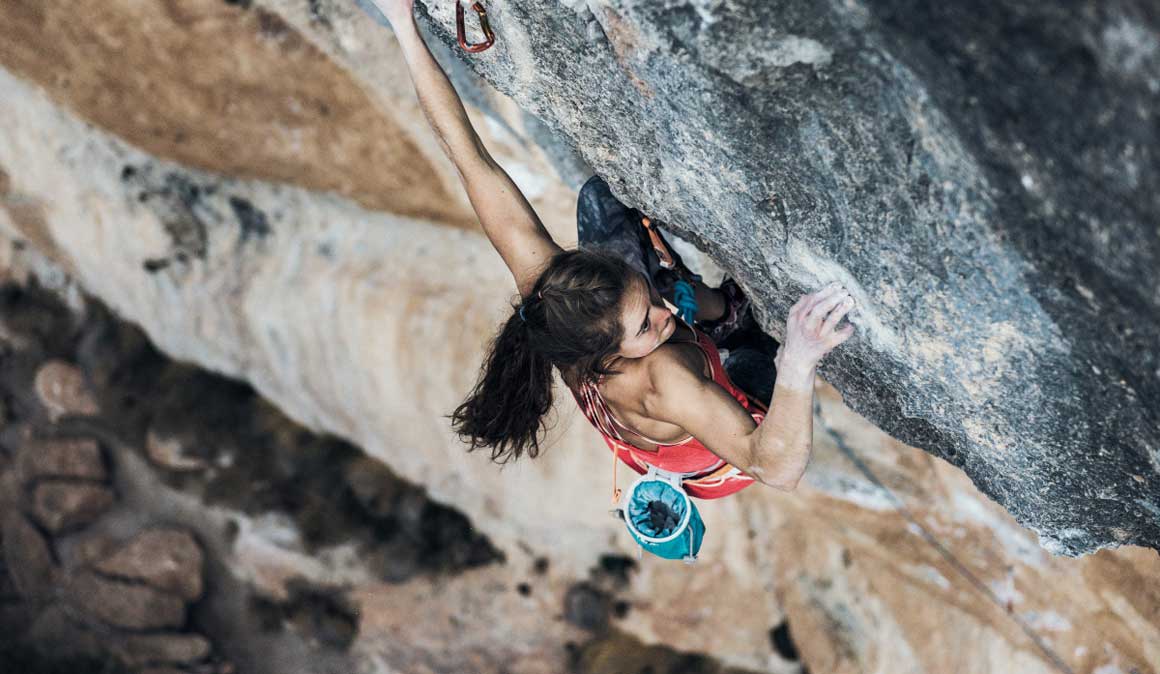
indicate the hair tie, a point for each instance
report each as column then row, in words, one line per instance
column 522, row 316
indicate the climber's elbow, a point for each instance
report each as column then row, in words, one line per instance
column 784, row 484
column 777, row 464
column 772, row 477
column 791, row 485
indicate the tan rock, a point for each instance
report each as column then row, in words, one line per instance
column 62, row 389
column 166, row 559
column 122, row 604
column 28, row 557
column 168, row 453
column 60, row 506
column 283, row 111
column 78, row 458
column 154, row 649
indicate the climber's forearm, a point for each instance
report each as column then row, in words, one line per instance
column 438, row 99
column 781, row 445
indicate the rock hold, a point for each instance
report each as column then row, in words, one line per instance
column 60, row 506
column 62, row 389
column 168, row 560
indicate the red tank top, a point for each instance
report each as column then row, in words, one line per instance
column 707, row 475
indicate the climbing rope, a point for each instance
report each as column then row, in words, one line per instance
column 946, row 554
column 686, row 301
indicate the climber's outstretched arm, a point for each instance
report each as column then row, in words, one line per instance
column 507, row 218
column 777, row 452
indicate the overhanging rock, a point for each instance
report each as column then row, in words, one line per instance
column 983, row 178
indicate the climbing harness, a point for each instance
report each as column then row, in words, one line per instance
column 661, row 517
column 461, row 30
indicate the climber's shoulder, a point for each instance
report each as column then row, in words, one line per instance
column 673, row 374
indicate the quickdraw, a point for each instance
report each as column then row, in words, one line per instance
column 461, row 30
column 684, row 295
column 658, row 244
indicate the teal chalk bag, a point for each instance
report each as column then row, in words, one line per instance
column 661, row 517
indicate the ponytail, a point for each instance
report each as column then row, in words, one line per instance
column 514, row 392
column 571, row 320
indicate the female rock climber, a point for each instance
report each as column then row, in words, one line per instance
column 653, row 385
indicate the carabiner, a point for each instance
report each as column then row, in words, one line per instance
column 461, row 30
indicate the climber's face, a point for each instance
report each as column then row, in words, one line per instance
column 646, row 320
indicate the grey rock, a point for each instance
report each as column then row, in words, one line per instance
column 984, row 179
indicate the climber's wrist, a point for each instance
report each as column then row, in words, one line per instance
column 795, row 374
column 404, row 25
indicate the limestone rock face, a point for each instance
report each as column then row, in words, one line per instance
column 331, row 263
column 985, row 180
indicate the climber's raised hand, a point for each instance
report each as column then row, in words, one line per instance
column 811, row 329
column 398, row 12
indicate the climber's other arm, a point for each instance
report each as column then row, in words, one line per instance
column 507, row 218
column 777, row 452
